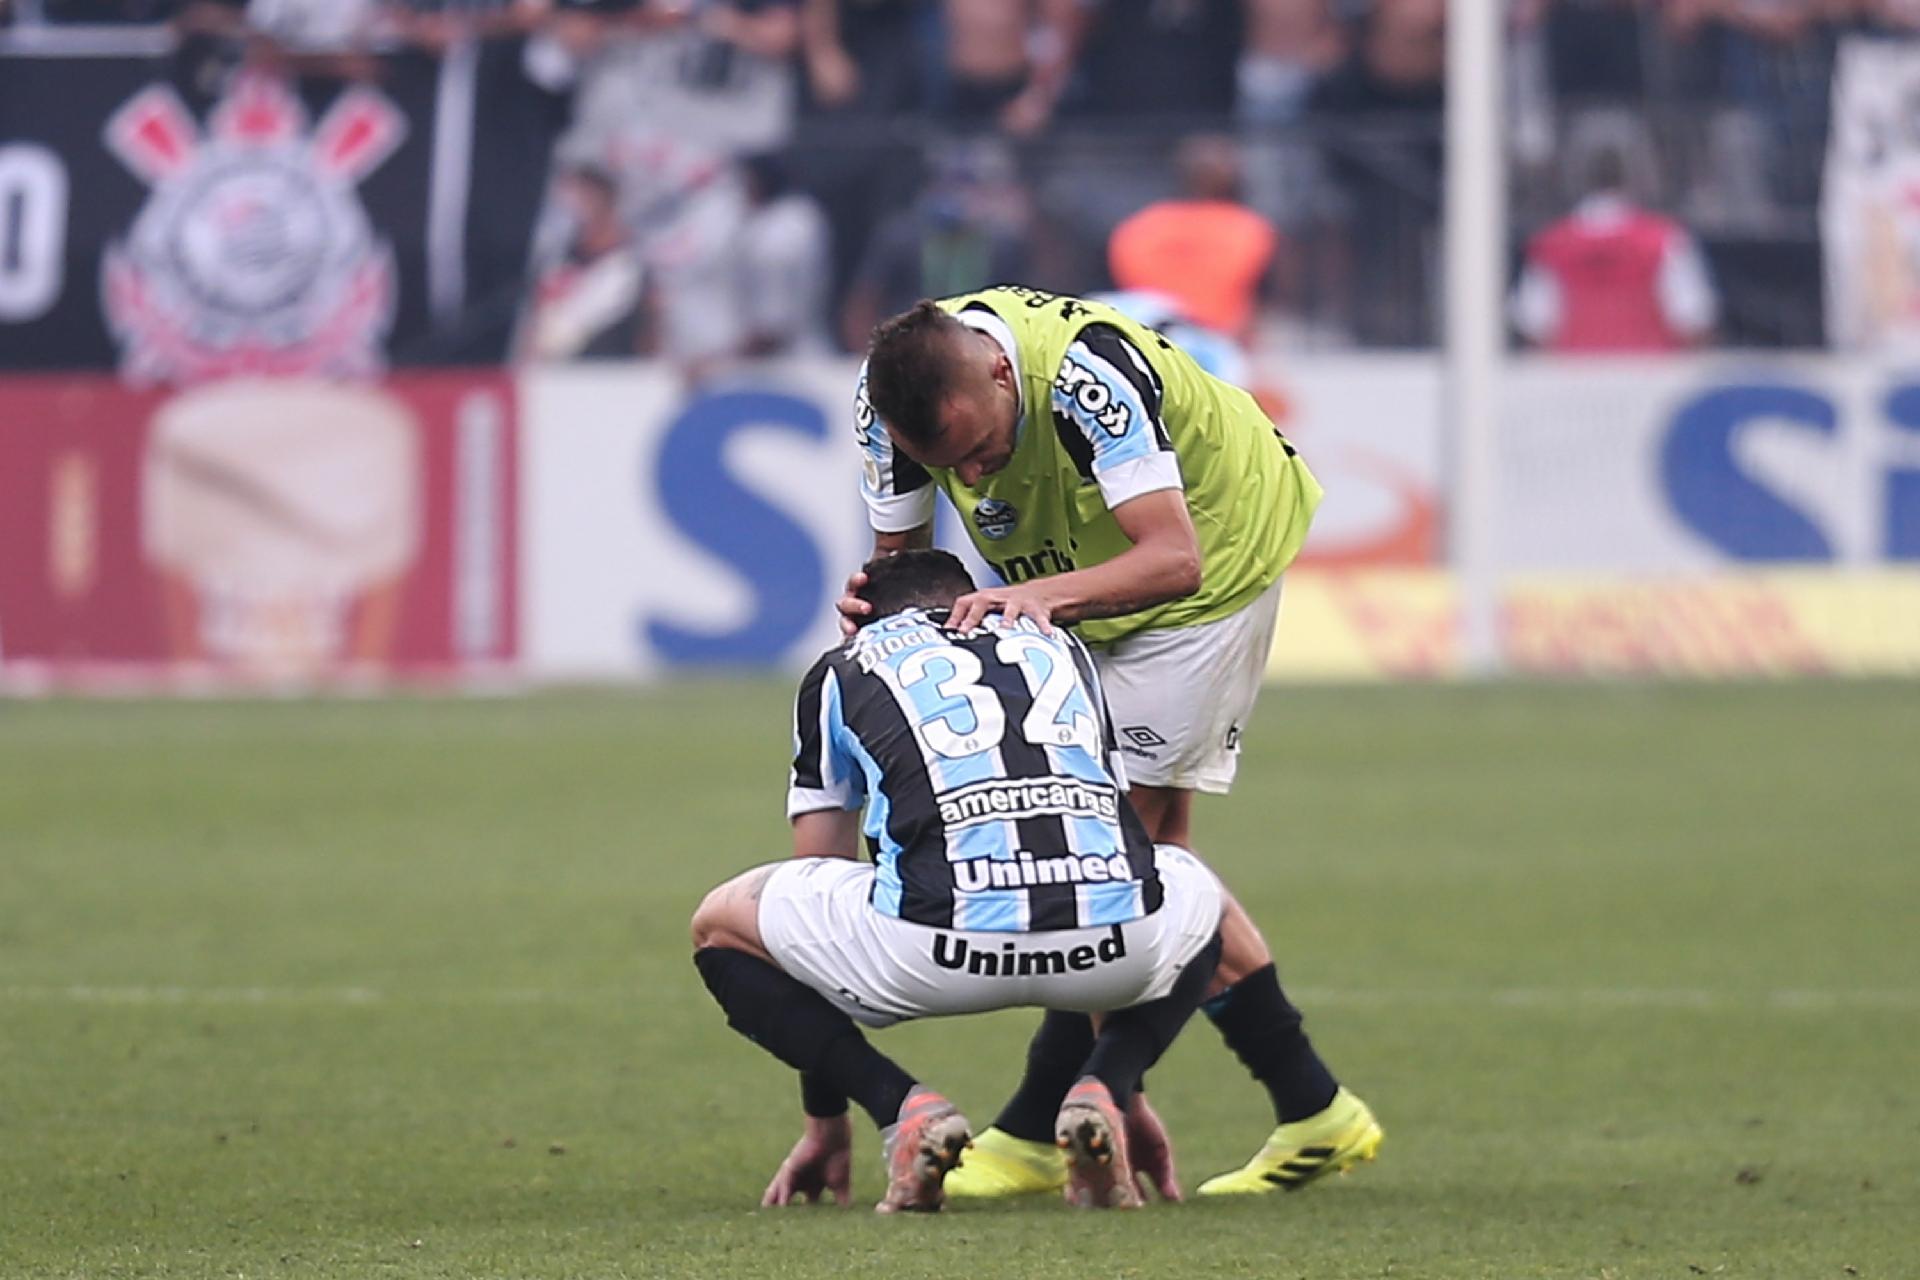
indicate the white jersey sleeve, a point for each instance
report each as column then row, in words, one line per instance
column 897, row 490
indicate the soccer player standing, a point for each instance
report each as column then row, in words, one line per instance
column 1114, row 485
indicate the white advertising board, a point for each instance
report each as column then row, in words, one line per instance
column 668, row 527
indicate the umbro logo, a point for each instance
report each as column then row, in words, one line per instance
column 1141, row 736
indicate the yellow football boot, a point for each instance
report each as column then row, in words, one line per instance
column 1333, row 1141
column 1000, row 1165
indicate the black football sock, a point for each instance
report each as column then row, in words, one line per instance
column 1132, row 1040
column 866, row 1075
column 1261, row 1025
column 818, row 1097
column 1056, row 1057
column 795, row 1024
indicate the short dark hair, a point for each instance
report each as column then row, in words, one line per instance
column 918, row 579
column 911, row 367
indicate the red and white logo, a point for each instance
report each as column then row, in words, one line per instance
column 254, row 254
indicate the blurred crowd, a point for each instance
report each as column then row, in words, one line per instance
column 759, row 177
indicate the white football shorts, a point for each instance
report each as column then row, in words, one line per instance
column 1181, row 698
column 818, row 925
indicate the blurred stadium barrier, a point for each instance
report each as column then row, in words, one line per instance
column 1747, row 624
column 1695, row 516
column 257, row 531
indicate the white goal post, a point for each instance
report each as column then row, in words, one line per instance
column 1475, row 333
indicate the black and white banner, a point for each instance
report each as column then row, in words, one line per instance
column 273, row 227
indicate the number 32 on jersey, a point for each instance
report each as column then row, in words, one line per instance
column 1061, row 714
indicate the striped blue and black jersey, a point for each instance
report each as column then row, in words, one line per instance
column 985, row 762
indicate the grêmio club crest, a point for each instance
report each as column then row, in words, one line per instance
column 253, row 254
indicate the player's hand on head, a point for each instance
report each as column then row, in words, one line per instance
column 820, row 1164
column 1028, row 600
column 852, row 609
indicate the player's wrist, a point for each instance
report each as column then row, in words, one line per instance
column 832, row 1131
column 1057, row 596
column 1068, row 607
column 1081, row 594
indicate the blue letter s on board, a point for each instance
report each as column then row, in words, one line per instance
column 1725, row 505
column 775, row 556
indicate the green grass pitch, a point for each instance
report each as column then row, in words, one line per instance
column 400, row 989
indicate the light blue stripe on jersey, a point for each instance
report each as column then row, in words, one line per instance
column 982, row 840
column 886, row 858
column 997, row 910
column 1107, row 408
column 1090, row 835
column 835, row 776
column 835, row 737
column 1104, row 904
column 1076, row 763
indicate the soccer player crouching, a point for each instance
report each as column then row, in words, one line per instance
column 1007, row 870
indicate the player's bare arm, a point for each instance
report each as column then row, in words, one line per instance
column 827, row 833
column 1162, row 564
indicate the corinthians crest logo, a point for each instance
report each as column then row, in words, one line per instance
column 253, row 254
